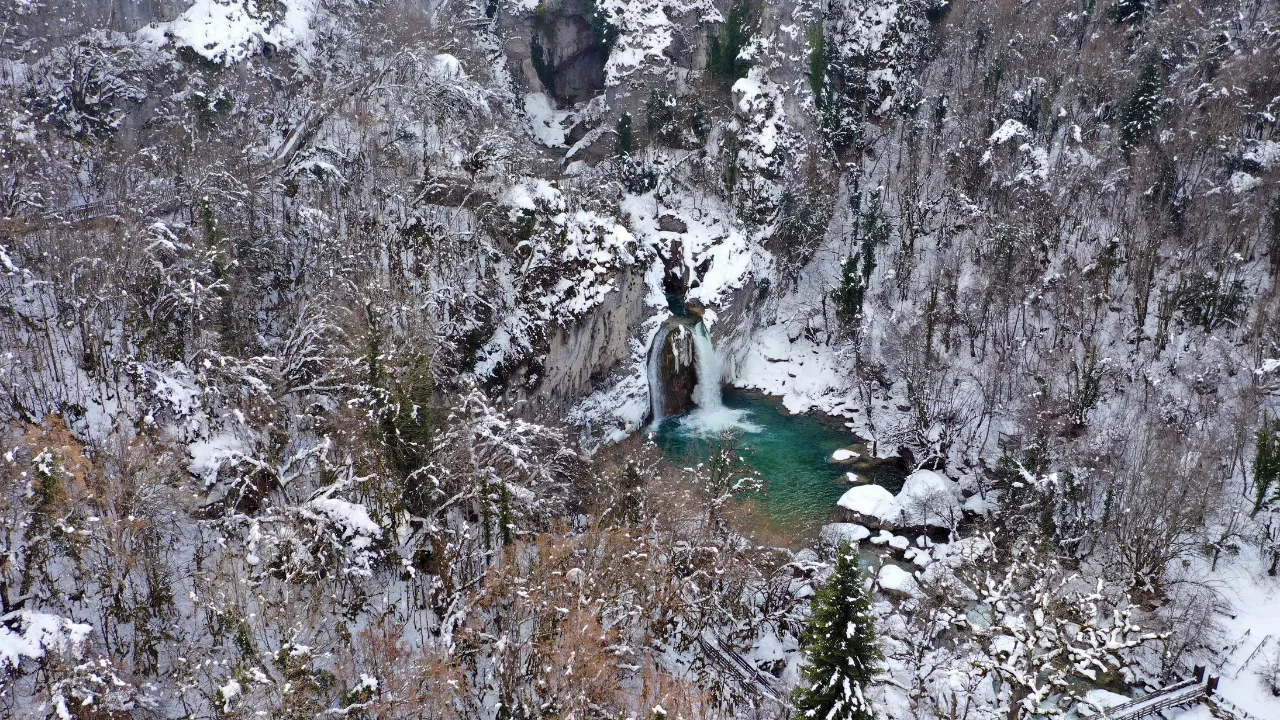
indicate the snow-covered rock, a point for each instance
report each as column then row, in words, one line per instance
column 837, row 533
column 1098, row 700
column 893, row 580
column 929, row 500
column 872, row 504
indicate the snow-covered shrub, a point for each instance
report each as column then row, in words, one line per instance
column 1045, row 626
column 86, row 87
column 511, row 474
column 680, row 122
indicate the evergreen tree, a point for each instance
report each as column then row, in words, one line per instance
column 543, row 64
column 848, row 297
column 625, row 139
column 1145, row 105
column 1266, row 465
column 838, row 89
column 1130, row 11
column 723, row 49
column 842, row 651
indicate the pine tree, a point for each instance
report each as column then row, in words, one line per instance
column 842, row 651
column 1266, row 465
column 723, row 49
column 625, row 140
column 1145, row 104
column 848, row 297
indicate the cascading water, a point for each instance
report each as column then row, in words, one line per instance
column 707, row 393
column 679, row 343
column 656, row 403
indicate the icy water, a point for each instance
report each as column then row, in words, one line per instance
column 789, row 451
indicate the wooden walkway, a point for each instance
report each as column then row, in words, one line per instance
column 740, row 669
column 1186, row 692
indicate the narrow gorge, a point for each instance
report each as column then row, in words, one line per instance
column 621, row 359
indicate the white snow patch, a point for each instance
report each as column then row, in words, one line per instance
column 228, row 31
column 545, row 122
column 208, row 456
column 35, row 634
column 353, row 518
column 805, row 374
column 893, row 579
column 1242, row 182
column 1266, row 153
column 1009, row 130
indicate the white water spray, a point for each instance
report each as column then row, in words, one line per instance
column 655, row 379
column 706, row 395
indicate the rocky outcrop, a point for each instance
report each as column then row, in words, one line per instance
column 673, row 367
column 582, row 355
column 554, row 49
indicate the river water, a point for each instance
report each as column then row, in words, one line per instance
column 791, row 453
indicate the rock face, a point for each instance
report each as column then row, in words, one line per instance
column 62, row 18
column 558, row 35
column 582, row 355
column 674, row 367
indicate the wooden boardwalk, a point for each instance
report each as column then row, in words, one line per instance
column 1186, row 692
column 743, row 671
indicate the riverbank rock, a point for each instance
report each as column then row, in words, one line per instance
column 927, row 501
column 844, row 456
column 895, row 581
column 871, row 505
column 835, row 534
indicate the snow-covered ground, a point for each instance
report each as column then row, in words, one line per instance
column 1248, row 647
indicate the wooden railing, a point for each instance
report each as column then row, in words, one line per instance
column 1183, row 693
column 747, row 675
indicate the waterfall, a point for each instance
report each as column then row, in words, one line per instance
column 684, row 370
column 707, row 394
column 655, row 376
column 711, row 417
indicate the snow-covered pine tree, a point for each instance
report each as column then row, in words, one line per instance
column 842, row 651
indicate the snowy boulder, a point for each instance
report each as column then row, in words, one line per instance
column 929, row 500
column 843, row 455
column 893, row 580
column 1095, row 701
column 1004, row 646
column 872, row 505
column 835, row 534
